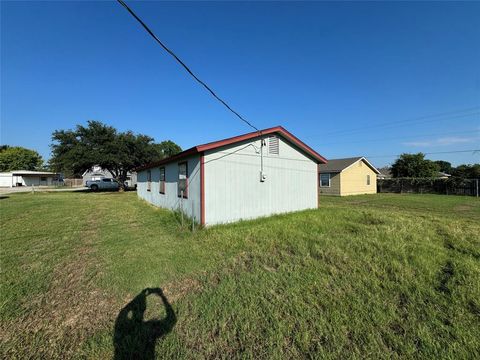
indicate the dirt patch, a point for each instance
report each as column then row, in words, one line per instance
column 69, row 311
column 179, row 289
column 463, row 208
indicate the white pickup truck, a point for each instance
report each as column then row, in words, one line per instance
column 102, row 184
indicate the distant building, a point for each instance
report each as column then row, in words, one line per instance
column 385, row 173
column 350, row 176
column 97, row 173
column 443, row 175
column 29, row 178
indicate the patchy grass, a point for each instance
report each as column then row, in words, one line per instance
column 106, row 275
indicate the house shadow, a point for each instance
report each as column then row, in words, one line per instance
column 134, row 337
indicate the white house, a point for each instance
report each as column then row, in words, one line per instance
column 235, row 178
column 28, row 178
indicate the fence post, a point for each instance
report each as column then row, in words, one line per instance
column 476, row 185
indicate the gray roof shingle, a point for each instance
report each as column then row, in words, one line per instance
column 337, row 165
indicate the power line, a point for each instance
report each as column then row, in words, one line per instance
column 184, row 65
column 421, row 119
column 473, row 151
column 400, row 138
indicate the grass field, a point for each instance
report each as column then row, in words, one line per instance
column 105, row 275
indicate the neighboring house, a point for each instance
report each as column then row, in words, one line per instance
column 223, row 181
column 384, row 173
column 97, row 173
column 28, row 178
column 349, row 176
column 443, row 175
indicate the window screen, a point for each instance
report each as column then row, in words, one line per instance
column 149, row 180
column 324, row 180
column 162, row 181
column 183, row 179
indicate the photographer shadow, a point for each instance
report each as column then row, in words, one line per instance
column 135, row 338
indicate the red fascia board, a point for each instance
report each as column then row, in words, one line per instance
column 216, row 144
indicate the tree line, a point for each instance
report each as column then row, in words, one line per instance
column 76, row 150
column 416, row 166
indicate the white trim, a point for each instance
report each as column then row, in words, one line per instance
column 375, row 170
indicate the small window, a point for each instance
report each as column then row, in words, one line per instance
column 183, row 179
column 368, row 179
column 162, row 181
column 324, row 180
column 43, row 178
column 149, row 180
column 273, row 145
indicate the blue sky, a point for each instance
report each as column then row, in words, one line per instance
column 374, row 79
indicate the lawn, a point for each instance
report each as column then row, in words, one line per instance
column 102, row 275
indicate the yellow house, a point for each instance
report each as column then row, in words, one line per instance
column 351, row 176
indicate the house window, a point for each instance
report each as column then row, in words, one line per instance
column 368, row 179
column 43, row 178
column 162, row 180
column 183, row 179
column 149, row 180
column 273, row 145
column 324, row 180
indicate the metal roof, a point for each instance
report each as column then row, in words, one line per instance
column 30, row 172
column 217, row 144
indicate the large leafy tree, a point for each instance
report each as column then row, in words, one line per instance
column 467, row 171
column 168, row 148
column 444, row 166
column 74, row 151
column 414, row 165
column 19, row 158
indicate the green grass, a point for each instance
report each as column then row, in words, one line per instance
column 374, row 276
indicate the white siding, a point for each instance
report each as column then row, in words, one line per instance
column 5, row 180
column 233, row 189
column 9, row 180
column 170, row 199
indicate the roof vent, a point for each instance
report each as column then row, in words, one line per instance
column 273, row 145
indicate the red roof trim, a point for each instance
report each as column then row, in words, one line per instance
column 216, row 144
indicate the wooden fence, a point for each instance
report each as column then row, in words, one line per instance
column 73, row 182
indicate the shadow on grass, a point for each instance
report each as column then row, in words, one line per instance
column 135, row 338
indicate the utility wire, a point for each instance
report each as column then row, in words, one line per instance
column 400, row 138
column 473, row 151
column 422, row 119
column 185, row 66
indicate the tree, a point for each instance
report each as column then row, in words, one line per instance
column 75, row 151
column 467, row 171
column 414, row 165
column 168, row 148
column 19, row 158
column 444, row 166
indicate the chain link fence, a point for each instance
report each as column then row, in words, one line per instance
column 450, row 186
